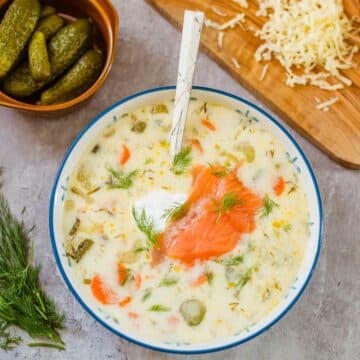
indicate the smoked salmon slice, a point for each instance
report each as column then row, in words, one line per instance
column 205, row 231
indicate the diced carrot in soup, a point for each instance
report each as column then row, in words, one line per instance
column 102, row 292
column 279, row 186
column 125, row 155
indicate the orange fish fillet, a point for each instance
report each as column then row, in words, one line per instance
column 202, row 233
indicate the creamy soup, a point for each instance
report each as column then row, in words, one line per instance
column 192, row 249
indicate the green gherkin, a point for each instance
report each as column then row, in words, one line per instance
column 16, row 28
column 78, row 79
column 64, row 49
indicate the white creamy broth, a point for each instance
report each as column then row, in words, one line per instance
column 173, row 256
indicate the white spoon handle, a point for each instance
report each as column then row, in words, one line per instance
column 193, row 21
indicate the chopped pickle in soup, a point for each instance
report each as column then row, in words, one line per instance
column 193, row 249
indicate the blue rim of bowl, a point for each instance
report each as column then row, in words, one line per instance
column 138, row 342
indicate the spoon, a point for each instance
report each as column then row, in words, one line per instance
column 190, row 40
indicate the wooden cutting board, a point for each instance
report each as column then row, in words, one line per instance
column 337, row 131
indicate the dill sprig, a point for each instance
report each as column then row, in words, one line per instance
column 175, row 212
column 233, row 261
column 158, row 307
column 168, row 281
column 22, row 302
column 219, row 172
column 244, row 279
column 146, row 226
column 228, row 201
column 268, row 206
column 120, row 179
column 182, row 160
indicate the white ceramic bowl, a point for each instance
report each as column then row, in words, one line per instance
column 296, row 156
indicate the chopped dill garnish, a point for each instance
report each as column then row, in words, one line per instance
column 220, row 173
column 228, row 201
column 268, row 206
column 146, row 226
column 244, row 279
column 168, row 281
column 175, row 212
column 182, row 160
column 121, row 180
column 158, row 307
column 287, row 227
column 233, row 261
column 147, row 294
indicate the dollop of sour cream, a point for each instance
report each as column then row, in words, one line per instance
column 156, row 204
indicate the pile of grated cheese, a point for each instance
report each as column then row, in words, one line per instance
column 310, row 38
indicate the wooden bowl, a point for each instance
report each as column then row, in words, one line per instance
column 106, row 21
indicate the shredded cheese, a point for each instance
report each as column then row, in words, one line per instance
column 220, row 39
column 326, row 104
column 218, row 11
column 263, row 72
column 242, row 3
column 310, row 38
column 237, row 20
column 236, row 64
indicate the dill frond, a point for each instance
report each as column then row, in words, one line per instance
column 120, row 179
column 233, row 261
column 158, row 307
column 182, row 161
column 268, row 206
column 146, row 226
column 220, row 172
column 168, row 281
column 228, row 201
column 175, row 212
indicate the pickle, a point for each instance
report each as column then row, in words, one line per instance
column 69, row 44
column 39, row 64
column 15, row 30
column 78, row 79
column 47, row 11
column 64, row 49
column 50, row 25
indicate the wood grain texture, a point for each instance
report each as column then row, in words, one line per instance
column 337, row 132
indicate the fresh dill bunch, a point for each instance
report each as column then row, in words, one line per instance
column 120, row 179
column 268, row 206
column 182, row 160
column 22, row 302
column 146, row 226
column 228, row 201
column 7, row 341
column 175, row 212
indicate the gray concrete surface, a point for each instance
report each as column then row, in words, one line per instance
column 324, row 324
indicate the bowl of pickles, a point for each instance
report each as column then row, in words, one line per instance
column 54, row 54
